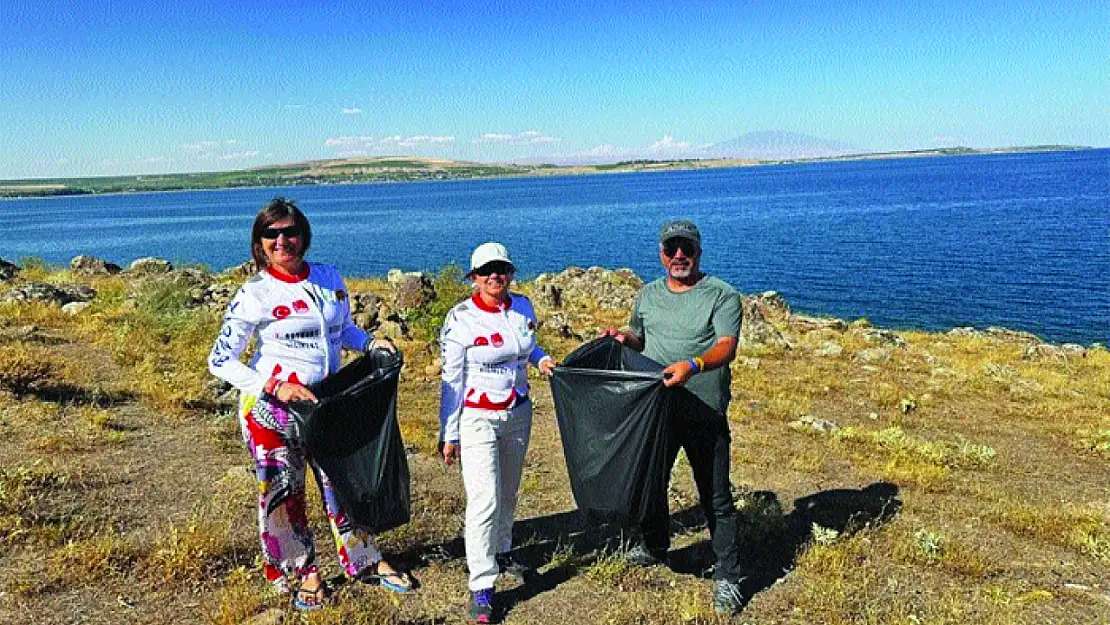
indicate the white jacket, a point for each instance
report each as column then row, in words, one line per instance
column 301, row 323
column 486, row 352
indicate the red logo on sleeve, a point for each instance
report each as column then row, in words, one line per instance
column 497, row 340
column 480, row 341
column 300, row 306
column 281, row 312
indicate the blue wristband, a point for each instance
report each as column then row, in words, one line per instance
column 694, row 365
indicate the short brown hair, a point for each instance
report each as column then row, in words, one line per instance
column 279, row 208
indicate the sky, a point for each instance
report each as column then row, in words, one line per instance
column 91, row 88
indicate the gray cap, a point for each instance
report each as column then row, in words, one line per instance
column 680, row 229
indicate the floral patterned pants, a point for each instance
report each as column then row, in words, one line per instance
column 288, row 548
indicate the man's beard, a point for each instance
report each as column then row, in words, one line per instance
column 681, row 272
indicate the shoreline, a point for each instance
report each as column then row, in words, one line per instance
column 421, row 169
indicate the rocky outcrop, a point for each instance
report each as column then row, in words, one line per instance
column 365, row 309
column 150, row 265
column 614, row 289
column 409, row 289
column 84, row 265
column 43, row 292
column 7, row 270
column 756, row 328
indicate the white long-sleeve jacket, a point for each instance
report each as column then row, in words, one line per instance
column 302, row 323
column 486, row 352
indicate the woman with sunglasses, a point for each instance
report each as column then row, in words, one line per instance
column 299, row 313
column 485, row 415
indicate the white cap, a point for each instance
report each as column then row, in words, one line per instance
column 488, row 253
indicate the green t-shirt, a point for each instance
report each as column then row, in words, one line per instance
column 679, row 326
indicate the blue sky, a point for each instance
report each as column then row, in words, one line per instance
column 106, row 88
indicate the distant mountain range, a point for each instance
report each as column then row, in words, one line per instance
column 769, row 145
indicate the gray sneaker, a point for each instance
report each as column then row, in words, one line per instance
column 640, row 555
column 727, row 596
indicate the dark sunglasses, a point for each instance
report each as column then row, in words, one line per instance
column 498, row 267
column 671, row 247
column 288, row 231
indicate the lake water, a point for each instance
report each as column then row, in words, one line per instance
column 1017, row 240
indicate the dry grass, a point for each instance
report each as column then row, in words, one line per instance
column 999, row 460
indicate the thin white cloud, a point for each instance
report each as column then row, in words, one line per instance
column 354, row 110
column 668, row 144
column 364, row 144
column 238, row 156
column 530, row 137
column 200, row 146
column 293, row 107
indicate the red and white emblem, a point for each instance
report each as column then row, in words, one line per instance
column 300, row 306
column 481, row 341
column 497, row 340
column 281, row 312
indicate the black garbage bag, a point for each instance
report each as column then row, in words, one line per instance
column 352, row 434
column 615, row 419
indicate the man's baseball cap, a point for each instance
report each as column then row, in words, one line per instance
column 488, row 253
column 680, row 229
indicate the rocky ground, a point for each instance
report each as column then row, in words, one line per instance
column 883, row 476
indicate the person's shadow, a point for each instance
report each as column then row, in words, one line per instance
column 770, row 541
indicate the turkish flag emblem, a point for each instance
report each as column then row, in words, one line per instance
column 300, row 306
column 481, row 341
column 281, row 312
column 497, row 340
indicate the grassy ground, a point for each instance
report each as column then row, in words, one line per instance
column 956, row 480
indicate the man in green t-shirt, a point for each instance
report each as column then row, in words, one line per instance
column 691, row 322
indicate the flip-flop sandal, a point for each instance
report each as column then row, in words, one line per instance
column 398, row 581
column 307, row 600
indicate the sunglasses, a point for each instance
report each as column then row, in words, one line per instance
column 498, row 267
column 671, row 247
column 288, row 231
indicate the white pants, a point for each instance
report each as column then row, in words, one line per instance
column 492, row 456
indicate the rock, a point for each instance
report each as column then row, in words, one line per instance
column 613, row 289
column 42, row 292
column 874, row 416
column 860, row 323
column 7, row 270
column 882, row 337
column 410, row 289
column 805, row 323
column 873, row 354
column 773, row 305
column 242, row 270
column 1000, row 373
column 434, row 369
column 1047, row 350
column 815, row 424
column 365, row 309
column 756, row 329
column 749, row 362
column 91, row 266
column 964, row 331
column 1007, row 334
column 559, row 323
column 75, row 308
column 217, row 296
column 221, row 393
column 392, row 330
column 272, row 616
column 149, row 265
column 907, row 405
column 549, row 295
column 829, row 349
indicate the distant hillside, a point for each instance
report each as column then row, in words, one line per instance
column 773, row 145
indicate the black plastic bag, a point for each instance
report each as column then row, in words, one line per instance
column 614, row 419
column 352, row 434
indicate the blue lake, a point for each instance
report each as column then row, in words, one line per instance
column 1017, row 240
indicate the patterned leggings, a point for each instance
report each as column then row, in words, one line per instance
column 288, row 548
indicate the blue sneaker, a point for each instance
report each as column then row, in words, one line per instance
column 479, row 608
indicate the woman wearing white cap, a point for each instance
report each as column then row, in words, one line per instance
column 485, row 414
